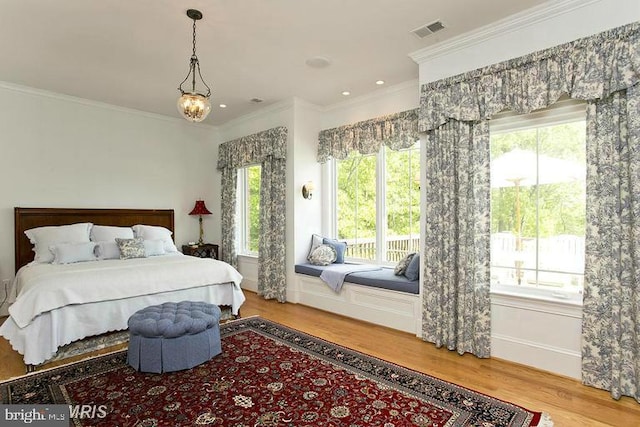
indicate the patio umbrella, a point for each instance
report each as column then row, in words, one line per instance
column 520, row 168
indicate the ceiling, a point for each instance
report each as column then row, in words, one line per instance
column 134, row 53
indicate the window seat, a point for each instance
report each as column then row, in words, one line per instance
column 383, row 278
column 376, row 296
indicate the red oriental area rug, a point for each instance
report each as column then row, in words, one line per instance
column 267, row 375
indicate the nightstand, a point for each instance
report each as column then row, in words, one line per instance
column 206, row 250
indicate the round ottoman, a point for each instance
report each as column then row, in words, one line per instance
column 173, row 336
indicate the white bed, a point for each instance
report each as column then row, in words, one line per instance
column 59, row 303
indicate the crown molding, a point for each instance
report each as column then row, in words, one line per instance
column 504, row 26
column 97, row 104
column 300, row 102
column 372, row 96
column 264, row 111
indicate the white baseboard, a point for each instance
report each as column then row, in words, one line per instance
column 249, row 285
column 397, row 310
column 553, row 359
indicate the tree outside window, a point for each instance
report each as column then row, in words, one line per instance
column 378, row 204
column 538, row 198
column 249, row 201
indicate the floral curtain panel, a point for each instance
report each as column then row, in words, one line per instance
column 601, row 69
column 267, row 148
column 397, row 131
column 456, row 242
column 611, row 320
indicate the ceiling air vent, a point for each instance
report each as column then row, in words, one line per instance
column 425, row 30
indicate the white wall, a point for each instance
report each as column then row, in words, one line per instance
column 544, row 334
column 59, row 151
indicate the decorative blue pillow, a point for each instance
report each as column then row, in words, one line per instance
column 413, row 269
column 340, row 247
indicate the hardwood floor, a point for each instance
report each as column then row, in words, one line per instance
column 569, row 402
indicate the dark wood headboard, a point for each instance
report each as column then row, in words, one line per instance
column 26, row 218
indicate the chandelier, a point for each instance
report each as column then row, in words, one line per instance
column 193, row 105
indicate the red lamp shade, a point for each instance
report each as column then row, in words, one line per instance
column 200, row 209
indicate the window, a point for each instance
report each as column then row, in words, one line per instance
column 249, row 209
column 378, row 204
column 538, row 194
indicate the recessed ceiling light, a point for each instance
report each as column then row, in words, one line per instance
column 223, row 105
column 379, row 82
column 346, row 93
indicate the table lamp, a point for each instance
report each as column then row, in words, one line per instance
column 200, row 209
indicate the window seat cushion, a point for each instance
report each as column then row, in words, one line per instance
column 383, row 278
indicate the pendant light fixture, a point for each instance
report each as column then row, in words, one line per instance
column 193, row 105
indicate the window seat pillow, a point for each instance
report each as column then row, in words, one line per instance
column 383, row 278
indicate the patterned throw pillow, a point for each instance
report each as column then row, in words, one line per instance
column 131, row 248
column 323, row 255
column 315, row 242
column 413, row 269
column 402, row 265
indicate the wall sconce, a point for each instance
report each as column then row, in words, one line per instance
column 307, row 190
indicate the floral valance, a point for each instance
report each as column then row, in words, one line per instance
column 590, row 68
column 396, row 131
column 253, row 149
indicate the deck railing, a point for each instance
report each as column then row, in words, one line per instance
column 559, row 259
column 397, row 247
column 556, row 261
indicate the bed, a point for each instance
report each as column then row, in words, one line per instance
column 60, row 304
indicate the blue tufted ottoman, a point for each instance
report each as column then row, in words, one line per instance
column 173, row 336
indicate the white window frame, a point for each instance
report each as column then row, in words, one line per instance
column 565, row 111
column 381, row 209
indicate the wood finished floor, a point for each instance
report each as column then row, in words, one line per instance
column 569, row 402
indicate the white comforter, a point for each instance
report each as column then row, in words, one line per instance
column 44, row 287
column 57, row 304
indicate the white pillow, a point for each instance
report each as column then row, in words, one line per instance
column 67, row 253
column 107, row 233
column 107, row 250
column 152, row 232
column 44, row 237
column 153, row 247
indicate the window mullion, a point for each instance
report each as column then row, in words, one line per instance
column 240, row 211
column 332, row 169
column 537, row 207
column 381, row 209
column 245, row 210
column 247, row 215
